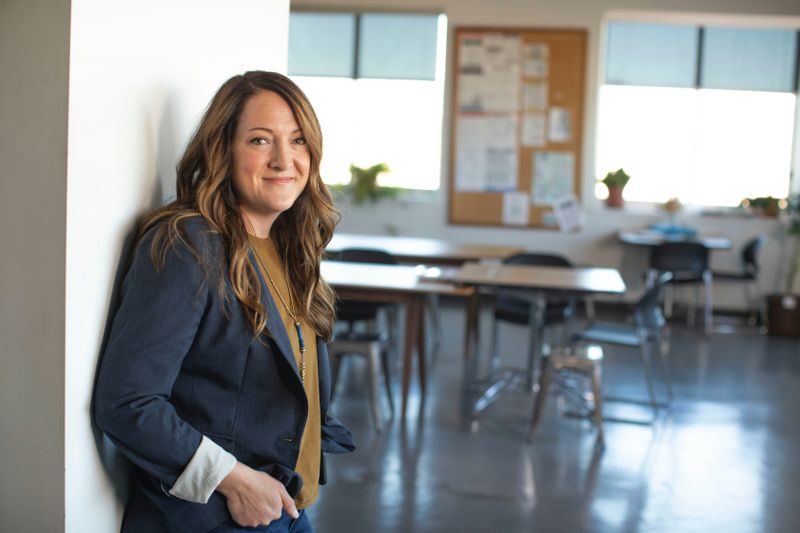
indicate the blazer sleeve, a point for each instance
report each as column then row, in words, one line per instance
column 153, row 330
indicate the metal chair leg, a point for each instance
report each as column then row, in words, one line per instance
column 540, row 398
column 648, row 376
column 662, row 357
column 708, row 302
column 535, row 341
column 691, row 310
column 762, row 309
column 494, row 357
column 373, row 362
column 588, row 306
column 387, row 379
column 753, row 309
column 597, row 392
column 669, row 297
column 436, row 322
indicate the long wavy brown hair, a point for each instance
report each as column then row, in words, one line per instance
column 205, row 189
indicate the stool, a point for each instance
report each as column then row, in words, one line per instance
column 584, row 359
column 373, row 347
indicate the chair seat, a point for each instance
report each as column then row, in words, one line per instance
column 355, row 311
column 738, row 276
column 622, row 334
column 360, row 336
column 579, row 357
column 518, row 311
column 686, row 277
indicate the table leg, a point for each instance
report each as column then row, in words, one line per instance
column 410, row 341
column 421, row 355
column 535, row 341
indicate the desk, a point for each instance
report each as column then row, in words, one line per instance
column 532, row 283
column 399, row 284
column 645, row 237
column 417, row 250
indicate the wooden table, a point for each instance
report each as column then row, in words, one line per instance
column 646, row 237
column 533, row 283
column 416, row 250
column 400, row 284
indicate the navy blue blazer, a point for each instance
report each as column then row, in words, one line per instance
column 180, row 363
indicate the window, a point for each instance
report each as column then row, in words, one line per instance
column 376, row 81
column 704, row 114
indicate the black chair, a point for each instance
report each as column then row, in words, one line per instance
column 644, row 333
column 352, row 311
column 365, row 341
column 511, row 309
column 748, row 277
column 688, row 263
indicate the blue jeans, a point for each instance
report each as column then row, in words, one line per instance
column 285, row 524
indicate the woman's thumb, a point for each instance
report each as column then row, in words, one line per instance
column 288, row 504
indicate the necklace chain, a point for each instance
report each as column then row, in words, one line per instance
column 297, row 326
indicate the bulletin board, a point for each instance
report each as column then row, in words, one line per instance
column 517, row 125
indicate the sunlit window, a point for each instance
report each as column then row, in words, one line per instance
column 704, row 146
column 722, row 134
column 383, row 118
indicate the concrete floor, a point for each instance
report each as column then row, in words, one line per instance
column 724, row 458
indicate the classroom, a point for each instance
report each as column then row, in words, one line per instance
column 567, row 265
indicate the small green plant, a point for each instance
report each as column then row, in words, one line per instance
column 619, row 178
column 765, row 205
column 363, row 186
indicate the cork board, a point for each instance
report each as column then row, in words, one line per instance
column 517, row 124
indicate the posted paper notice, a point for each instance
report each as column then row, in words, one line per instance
column 535, row 60
column 559, row 125
column 516, row 208
column 552, row 176
column 534, row 129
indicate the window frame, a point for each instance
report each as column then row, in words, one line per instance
column 439, row 78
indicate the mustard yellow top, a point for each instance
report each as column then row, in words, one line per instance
column 308, row 462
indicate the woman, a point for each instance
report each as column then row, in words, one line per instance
column 211, row 382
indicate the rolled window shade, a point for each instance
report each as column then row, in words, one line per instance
column 651, row 54
column 760, row 59
column 321, row 44
column 397, row 46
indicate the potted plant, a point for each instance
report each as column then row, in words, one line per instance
column 783, row 308
column 763, row 205
column 615, row 181
column 363, row 186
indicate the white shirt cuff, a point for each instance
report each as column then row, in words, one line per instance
column 208, row 467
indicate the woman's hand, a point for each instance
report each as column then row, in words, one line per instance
column 255, row 498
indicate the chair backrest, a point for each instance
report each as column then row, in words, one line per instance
column 680, row 257
column 351, row 311
column 364, row 255
column 537, row 259
column 750, row 254
column 558, row 308
column 647, row 313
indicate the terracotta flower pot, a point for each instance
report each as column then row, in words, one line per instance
column 615, row 197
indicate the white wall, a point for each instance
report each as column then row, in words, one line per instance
column 141, row 75
column 34, row 56
column 119, row 87
column 596, row 243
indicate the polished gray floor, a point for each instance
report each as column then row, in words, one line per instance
column 724, row 458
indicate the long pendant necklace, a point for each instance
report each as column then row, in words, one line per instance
column 297, row 327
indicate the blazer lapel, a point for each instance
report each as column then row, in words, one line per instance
column 274, row 322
